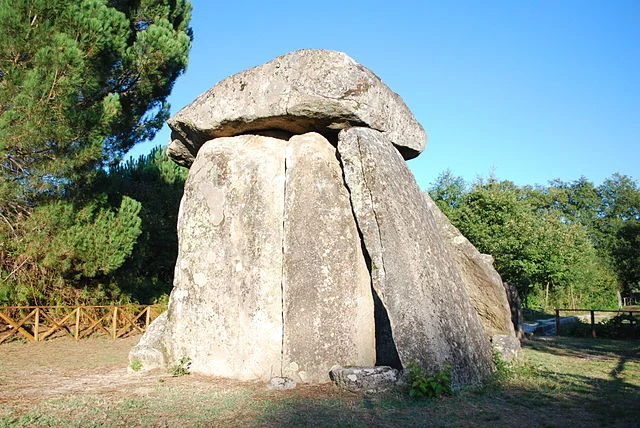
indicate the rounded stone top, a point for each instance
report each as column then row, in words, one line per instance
column 310, row 90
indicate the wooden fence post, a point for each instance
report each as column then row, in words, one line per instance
column 36, row 327
column 593, row 323
column 557, row 322
column 115, row 322
column 77, row 334
column 148, row 318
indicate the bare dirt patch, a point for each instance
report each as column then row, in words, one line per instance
column 37, row 371
column 86, row 382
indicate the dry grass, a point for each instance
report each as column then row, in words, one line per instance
column 561, row 382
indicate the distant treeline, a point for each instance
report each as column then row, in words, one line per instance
column 568, row 244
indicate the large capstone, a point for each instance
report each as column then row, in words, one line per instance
column 302, row 91
column 306, row 244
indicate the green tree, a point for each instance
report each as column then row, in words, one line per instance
column 447, row 191
column 626, row 254
column 60, row 244
column 610, row 214
column 551, row 260
column 577, row 201
column 618, row 227
column 158, row 183
column 81, row 82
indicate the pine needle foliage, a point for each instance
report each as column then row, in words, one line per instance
column 81, row 82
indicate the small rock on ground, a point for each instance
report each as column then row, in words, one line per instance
column 281, row 383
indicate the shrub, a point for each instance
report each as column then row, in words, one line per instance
column 180, row 369
column 136, row 365
column 622, row 326
column 421, row 385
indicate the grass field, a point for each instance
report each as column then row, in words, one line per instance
column 559, row 382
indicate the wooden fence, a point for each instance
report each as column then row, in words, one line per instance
column 38, row 323
column 592, row 313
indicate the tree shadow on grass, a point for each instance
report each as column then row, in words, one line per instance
column 312, row 412
column 588, row 348
column 597, row 378
column 532, row 396
column 519, row 406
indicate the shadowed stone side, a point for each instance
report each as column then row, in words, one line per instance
column 482, row 283
column 303, row 91
column 328, row 307
column 414, row 274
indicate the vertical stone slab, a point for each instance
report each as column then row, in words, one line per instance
column 225, row 311
column 482, row 283
column 328, row 305
column 413, row 273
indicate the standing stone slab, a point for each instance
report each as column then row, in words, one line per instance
column 328, row 306
column 413, row 273
column 225, row 311
column 149, row 353
column 482, row 283
column 302, row 91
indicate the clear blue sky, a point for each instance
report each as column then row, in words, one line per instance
column 527, row 90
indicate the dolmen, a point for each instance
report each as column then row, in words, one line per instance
column 305, row 242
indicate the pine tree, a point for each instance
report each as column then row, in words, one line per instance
column 158, row 183
column 81, row 82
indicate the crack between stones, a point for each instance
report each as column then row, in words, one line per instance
column 282, row 270
column 391, row 353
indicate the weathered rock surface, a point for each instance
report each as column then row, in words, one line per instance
column 506, row 345
column 225, row 311
column 368, row 379
column 328, row 309
column 482, row 284
column 306, row 90
column 413, row 272
column 281, row 383
column 270, row 280
column 148, row 354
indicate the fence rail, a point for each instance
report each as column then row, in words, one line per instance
column 593, row 316
column 38, row 323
